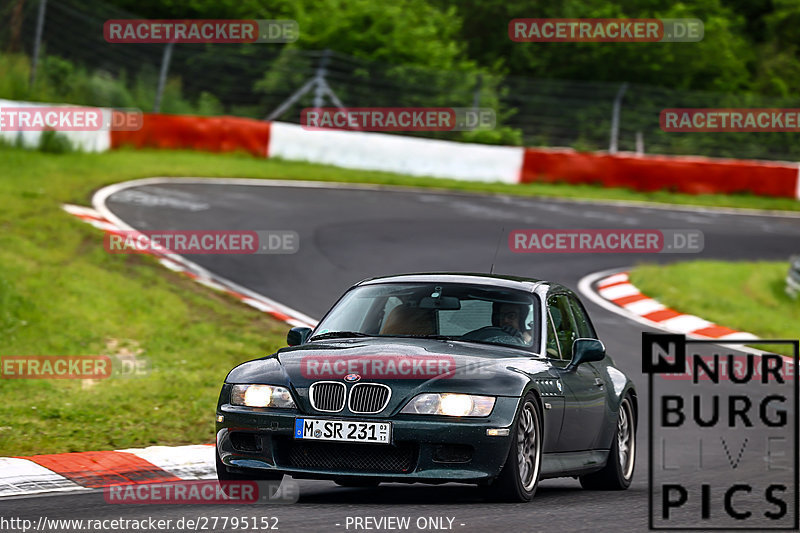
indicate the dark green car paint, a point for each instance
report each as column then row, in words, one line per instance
column 579, row 419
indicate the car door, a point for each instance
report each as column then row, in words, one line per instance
column 586, row 330
column 585, row 397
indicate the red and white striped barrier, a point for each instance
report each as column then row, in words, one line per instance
column 85, row 141
column 436, row 158
column 463, row 161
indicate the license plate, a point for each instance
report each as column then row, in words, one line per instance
column 343, row 430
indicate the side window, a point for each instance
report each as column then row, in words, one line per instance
column 563, row 323
column 582, row 322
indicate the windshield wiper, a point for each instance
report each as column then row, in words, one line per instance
column 339, row 335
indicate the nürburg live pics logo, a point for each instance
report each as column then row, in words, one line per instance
column 723, row 434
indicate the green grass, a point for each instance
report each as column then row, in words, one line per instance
column 61, row 294
column 746, row 296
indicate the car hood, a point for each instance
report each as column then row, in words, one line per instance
column 408, row 366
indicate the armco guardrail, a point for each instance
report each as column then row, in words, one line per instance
column 448, row 159
column 397, row 153
column 86, row 141
column 208, row 134
column 691, row 175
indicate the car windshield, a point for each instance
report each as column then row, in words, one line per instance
column 452, row 311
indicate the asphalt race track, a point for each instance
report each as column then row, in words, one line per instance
column 349, row 233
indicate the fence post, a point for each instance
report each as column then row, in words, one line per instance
column 476, row 99
column 320, row 86
column 639, row 143
column 322, row 70
column 162, row 76
column 38, row 41
column 612, row 145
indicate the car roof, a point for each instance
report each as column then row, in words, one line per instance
column 493, row 280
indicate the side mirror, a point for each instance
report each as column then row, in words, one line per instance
column 297, row 336
column 586, row 351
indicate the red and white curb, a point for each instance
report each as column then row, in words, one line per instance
column 81, row 471
column 180, row 264
column 614, row 291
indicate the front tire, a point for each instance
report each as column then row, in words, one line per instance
column 618, row 472
column 519, row 478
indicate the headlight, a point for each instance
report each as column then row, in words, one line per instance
column 450, row 405
column 262, row 396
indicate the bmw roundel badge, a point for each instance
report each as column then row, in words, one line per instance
column 352, row 378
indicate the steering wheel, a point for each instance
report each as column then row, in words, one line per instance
column 506, row 335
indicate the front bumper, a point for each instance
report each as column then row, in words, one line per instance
column 424, row 448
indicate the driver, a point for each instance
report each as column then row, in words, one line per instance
column 511, row 318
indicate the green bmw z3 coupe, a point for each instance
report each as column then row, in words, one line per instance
column 497, row 381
